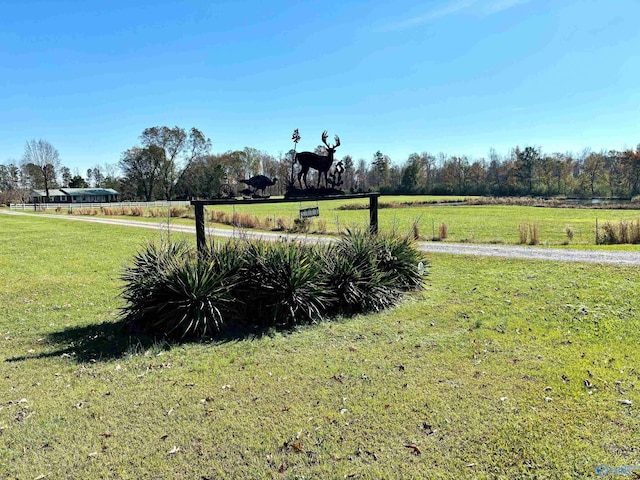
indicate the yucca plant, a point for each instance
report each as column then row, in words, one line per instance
column 356, row 284
column 171, row 292
column 282, row 284
column 398, row 258
column 355, row 277
column 149, row 267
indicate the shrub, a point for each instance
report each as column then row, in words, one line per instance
column 83, row 211
column 282, row 284
column 367, row 272
column 173, row 292
column 137, row 211
column 177, row 212
column 398, row 258
column 245, row 220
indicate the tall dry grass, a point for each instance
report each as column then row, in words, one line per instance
column 624, row 232
column 443, row 231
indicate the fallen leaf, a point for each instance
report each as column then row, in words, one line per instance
column 174, row 450
column 414, row 448
column 164, row 437
column 624, row 401
column 106, row 435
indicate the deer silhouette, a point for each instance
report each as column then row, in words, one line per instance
column 321, row 163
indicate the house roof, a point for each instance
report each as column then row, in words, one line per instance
column 74, row 192
column 89, row 191
column 52, row 193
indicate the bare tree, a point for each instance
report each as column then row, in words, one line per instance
column 44, row 159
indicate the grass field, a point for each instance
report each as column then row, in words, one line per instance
column 477, row 224
column 500, row 369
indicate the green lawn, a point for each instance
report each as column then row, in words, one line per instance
column 500, row 369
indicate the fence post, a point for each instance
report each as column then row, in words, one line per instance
column 201, row 240
column 373, row 212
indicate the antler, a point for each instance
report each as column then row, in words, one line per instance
column 325, row 135
column 324, row 138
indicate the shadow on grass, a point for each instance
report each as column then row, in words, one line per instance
column 102, row 342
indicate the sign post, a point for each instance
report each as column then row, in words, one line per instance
column 201, row 239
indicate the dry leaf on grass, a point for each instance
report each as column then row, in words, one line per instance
column 414, row 448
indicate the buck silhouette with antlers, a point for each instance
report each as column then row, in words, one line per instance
column 321, row 163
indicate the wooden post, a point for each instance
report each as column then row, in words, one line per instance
column 201, row 239
column 373, row 212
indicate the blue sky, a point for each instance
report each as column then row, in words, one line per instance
column 453, row 76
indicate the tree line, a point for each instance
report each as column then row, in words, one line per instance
column 174, row 163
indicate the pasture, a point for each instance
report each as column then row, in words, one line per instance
column 495, row 224
column 499, row 369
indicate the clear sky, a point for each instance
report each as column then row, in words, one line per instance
column 402, row 76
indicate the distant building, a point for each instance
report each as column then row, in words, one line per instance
column 74, row 195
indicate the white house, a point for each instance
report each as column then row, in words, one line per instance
column 74, row 195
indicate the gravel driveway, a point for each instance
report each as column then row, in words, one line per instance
column 505, row 251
